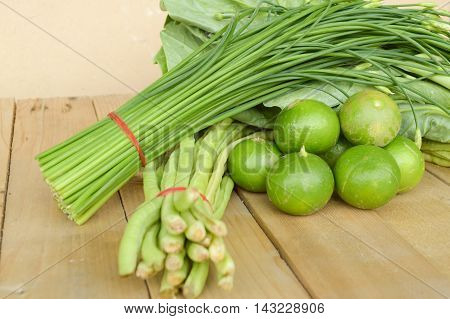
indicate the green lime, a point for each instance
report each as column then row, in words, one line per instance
column 410, row 161
column 366, row 176
column 300, row 183
column 249, row 162
column 306, row 123
column 331, row 156
column 370, row 117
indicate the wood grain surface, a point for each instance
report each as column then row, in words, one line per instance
column 261, row 273
column 6, row 129
column 398, row 251
column 44, row 254
column 443, row 173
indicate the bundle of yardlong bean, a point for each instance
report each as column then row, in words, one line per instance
column 178, row 229
column 241, row 67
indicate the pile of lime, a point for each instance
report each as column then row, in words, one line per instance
column 356, row 152
column 250, row 161
column 300, row 183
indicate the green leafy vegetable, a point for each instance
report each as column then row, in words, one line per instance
column 200, row 13
column 329, row 94
column 178, row 42
column 422, row 91
column 259, row 116
column 160, row 59
column 433, row 122
column 208, row 14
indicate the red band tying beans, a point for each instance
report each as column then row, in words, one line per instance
column 171, row 190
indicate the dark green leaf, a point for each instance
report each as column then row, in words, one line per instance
column 259, row 116
column 178, row 42
column 434, row 123
column 203, row 13
column 320, row 91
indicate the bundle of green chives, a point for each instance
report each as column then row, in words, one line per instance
column 239, row 68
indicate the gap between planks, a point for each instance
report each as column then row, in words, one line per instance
column 122, row 203
column 54, row 258
column 7, row 121
column 261, row 272
column 280, row 251
column 274, row 241
column 338, row 231
column 102, row 106
column 441, row 173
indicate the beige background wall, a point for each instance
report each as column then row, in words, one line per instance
column 119, row 36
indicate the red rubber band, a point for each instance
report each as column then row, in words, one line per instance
column 124, row 127
column 171, row 190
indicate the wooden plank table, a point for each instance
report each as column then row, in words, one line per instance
column 399, row 251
